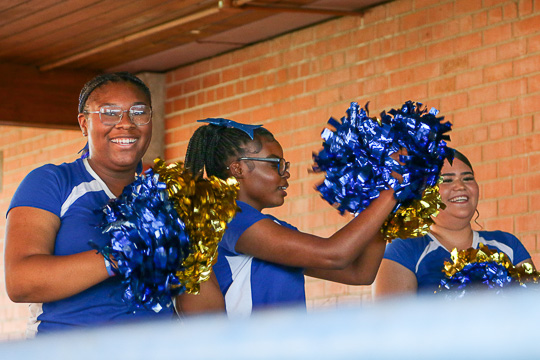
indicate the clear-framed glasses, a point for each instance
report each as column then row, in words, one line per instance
column 282, row 165
column 110, row 115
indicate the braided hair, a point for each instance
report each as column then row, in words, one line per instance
column 211, row 147
column 116, row 77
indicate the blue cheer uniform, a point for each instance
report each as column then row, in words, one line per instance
column 425, row 256
column 248, row 283
column 76, row 194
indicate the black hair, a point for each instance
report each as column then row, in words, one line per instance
column 103, row 79
column 211, row 147
column 458, row 155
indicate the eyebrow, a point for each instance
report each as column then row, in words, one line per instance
column 454, row 174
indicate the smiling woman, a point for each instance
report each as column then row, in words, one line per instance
column 54, row 214
column 415, row 265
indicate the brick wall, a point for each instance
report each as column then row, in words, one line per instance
column 23, row 150
column 478, row 62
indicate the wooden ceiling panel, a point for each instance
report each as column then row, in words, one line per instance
column 44, row 39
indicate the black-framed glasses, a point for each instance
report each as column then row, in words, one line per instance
column 282, row 165
column 110, row 115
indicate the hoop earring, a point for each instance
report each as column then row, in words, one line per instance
column 477, row 216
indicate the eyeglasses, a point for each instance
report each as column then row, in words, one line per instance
column 282, row 165
column 112, row 115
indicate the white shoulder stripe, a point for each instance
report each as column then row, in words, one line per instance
column 499, row 245
column 238, row 300
column 79, row 191
column 432, row 246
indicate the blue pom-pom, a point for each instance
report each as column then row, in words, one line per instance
column 356, row 155
column 148, row 241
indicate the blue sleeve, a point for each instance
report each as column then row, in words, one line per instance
column 39, row 189
column 402, row 252
column 243, row 219
column 520, row 253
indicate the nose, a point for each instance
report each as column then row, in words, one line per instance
column 286, row 174
column 458, row 184
column 125, row 121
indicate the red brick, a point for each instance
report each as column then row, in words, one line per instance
column 516, row 48
column 526, row 65
column 510, row 10
column 469, row 79
column 479, row 19
column 468, row 42
column 465, row 6
column 497, row 34
column 496, row 150
column 442, row 86
column 498, row 72
column 529, row 241
column 482, row 95
column 513, row 205
column 511, row 89
column 496, row 112
column 535, row 202
column 504, row 224
column 441, row 49
column 495, row 15
column 526, row 105
column 529, row 222
column 487, row 209
column 497, row 189
column 526, row 26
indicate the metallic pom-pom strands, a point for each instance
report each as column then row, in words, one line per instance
column 484, row 269
column 356, row 158
column 206, row 206
column 164, row 229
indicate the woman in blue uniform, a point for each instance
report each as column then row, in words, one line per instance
column 52, row 216
column 415, row 265
column 262, row 260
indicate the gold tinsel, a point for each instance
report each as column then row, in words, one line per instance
column 205, row 206
column 415, row 219
column 526, row 273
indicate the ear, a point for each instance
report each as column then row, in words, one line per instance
column 83, row 124
column 236, row 170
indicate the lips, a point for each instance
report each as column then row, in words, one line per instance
column 459, row 199
column 124, row 141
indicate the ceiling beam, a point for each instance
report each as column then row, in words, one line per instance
column 50, row 99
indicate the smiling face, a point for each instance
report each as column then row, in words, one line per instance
column 459, row 191
column 118, row 147
column 260, row 184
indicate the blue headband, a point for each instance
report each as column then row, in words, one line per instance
column 248, row 129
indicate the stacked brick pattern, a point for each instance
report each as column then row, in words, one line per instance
column 478, row 62
column 25, row 149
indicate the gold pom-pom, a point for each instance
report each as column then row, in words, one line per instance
column 206, row 206
column 415, row 219
column 524, row 274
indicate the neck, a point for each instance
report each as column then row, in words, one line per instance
column 115, row 180
column 460, row 238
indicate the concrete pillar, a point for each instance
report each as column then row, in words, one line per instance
column 156, row 84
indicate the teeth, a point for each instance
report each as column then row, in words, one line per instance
column 123, row 141
column 282, row 188
column 459, row 199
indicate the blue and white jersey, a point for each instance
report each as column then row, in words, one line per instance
column 76, row 194
column 425, row 256
column 248, row 283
